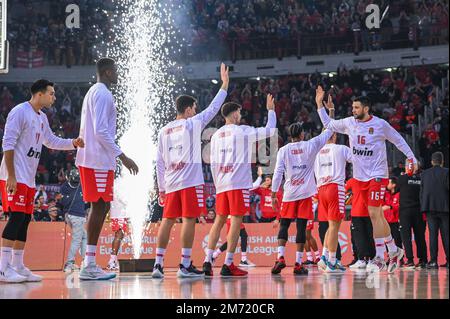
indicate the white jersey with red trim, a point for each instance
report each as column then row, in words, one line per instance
column 368, row 144
column 231, row 154
column 179, row 154
column 296, row 162
column 98, row 129
column 25, row 132
column 329, row 166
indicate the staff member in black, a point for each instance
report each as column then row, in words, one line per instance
column 411, row 219
column 434, row 202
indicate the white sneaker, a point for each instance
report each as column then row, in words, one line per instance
column 11, row 276
column 394, row 259
column 189, row 272
column 95, row 272
column 158, row 272
column 246, row 263
column 113, row 266
column 376, row 265
column 360, row 264
column 322, row 264
column 24, row 271
column 69, row 267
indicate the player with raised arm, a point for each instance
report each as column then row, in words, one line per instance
column 367, row 137
column 295, row 161
column 231, row 158
column 180, row 175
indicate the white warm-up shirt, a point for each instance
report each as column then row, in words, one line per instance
column 25, row 133
column 296, row 162
column 329, row 166
column 179, row 154
column 231, row 153
column 98, row 129
column 368, row 144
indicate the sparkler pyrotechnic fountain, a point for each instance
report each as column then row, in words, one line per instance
column 144, row 42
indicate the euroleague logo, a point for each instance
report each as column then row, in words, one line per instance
column 343, row 242
column 205, row 243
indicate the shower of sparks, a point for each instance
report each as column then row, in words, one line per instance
column 144, row 40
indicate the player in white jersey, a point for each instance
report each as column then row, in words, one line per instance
column 296, row 162
column 329, row 169
column 97, row 161
column 180, row 175
column 367, row 136
column 26, row 130
column 231, row 159
column 119, row 226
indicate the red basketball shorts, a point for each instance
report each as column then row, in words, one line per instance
column 96, row 184
column 235, row 202
column 22, row 201
column 302, row 208
column 332, row 202
column 371, row 192
column 188, row 202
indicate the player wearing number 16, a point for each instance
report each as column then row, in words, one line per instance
column 367, row 136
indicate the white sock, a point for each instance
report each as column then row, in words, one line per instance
column 380, row 247
column 186, row 257
column 244, row 256
column 216, row 253
column 299, row 257
column 113, row 259
column 317, row 254
column 209, row 255
column 332, row 258
column 281, row 250
column 389, row 241
column 309, row 256
column 89, row 258
column 160, row 256
column 229, row 259
column 5, row 259
column 17, row 258
column 325, row 252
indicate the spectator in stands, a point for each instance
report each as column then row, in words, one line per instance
column 40, row 210
column 41, row 192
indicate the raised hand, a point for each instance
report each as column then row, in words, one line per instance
column 270, row 102
column 329, row 104
column 320, row 93
column 224, row 76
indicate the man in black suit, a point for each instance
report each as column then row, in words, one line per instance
column 434, row 202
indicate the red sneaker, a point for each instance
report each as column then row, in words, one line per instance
column 232, row 271
column 317, row 261
column 300, row 270
column 280, row 264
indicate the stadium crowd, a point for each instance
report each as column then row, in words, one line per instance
column 230, row 29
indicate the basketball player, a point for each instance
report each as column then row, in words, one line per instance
column 97, row 161
column 367, row 135
column 180, row 176
column 119, row 226
column 329, row 169
column 231, row 171
column 296, row 162
column 26, row 130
